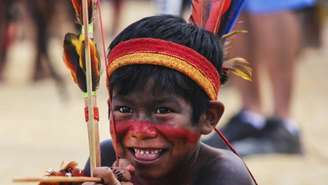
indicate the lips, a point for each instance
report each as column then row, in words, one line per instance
column 147, row 154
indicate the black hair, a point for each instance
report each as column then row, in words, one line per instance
column 175, row 29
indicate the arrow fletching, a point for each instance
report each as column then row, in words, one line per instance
column 77, row 6
column 74, row 58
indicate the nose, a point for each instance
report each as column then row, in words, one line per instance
column 143, row 130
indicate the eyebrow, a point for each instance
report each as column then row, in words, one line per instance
column 166, row 99
column 123, row 99
column 158, row 100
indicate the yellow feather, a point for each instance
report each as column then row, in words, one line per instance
column 239, row 67
column 228, row 35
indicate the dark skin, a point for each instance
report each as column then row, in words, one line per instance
column 180, row 162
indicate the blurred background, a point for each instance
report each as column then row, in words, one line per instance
column 41, row 110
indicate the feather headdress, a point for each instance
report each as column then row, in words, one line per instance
column 219, row 17
column 216, row 16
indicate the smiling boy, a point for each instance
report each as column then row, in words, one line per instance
column 163, row 78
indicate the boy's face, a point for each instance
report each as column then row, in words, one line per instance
column 155, row 132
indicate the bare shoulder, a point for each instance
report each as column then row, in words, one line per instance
column 222, row 167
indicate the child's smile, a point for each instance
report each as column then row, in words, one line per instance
column 146, row 154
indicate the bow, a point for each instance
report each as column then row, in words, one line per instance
column 82, row 59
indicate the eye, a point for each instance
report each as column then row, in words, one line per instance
column 163, row 110
column 124, row 109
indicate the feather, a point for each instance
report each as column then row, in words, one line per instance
column 74, row 58
column 196, row 16
column 233, row 33
column 230, row 17
column 217, row 8
column 216, row 16
column 207, row 14
column 77, row 6
column 239, row 67
column 228, row 40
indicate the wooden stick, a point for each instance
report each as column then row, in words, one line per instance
column 90, row 101
column 56, row 179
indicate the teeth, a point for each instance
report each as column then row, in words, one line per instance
column 147, row 151
column 147, row 154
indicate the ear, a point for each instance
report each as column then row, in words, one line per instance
column 211, row 117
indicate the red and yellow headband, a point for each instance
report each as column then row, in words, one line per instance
column 167, row 54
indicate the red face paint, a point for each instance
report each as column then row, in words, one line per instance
column 116, row 144
column 147, row 129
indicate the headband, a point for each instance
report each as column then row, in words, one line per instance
column 168, row 54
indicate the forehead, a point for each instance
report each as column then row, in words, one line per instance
column 147, row 90
column 149, row 95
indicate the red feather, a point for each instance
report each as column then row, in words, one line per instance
column 196, row 16
column 218, row 9
column 77, row 5
column 208, row 14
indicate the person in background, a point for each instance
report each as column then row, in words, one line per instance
column 272, row 45
column 117, row 6
column 7, row 31
column 172, row 7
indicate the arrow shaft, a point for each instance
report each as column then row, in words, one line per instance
column 90, row 100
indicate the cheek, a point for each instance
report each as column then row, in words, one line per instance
column 178, row 134
column 115, row 139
